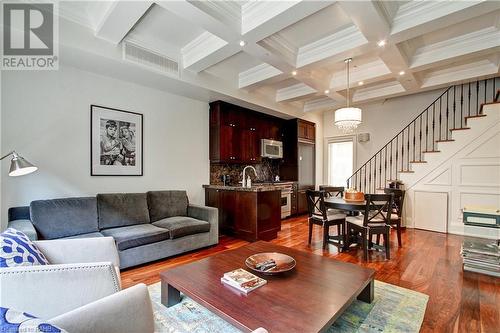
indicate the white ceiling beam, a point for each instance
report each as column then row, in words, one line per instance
column 385, row 90
column 416, row 18
column 257, row 75
column 484, row 40
column 293, row 93
column 320, row 104
column 120, row 17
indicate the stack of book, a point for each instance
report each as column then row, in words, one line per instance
column 481, row 256
column 242, row 280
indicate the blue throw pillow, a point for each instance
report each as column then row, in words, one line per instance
column 13, row 321
column 17, row 250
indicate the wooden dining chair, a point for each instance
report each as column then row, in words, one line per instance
column 374, row 221
column 397, row 209
column 332, row 191
column 319, row 215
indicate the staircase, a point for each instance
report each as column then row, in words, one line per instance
column 430, row 137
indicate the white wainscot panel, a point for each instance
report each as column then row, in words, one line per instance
column 479, row 199
column 480, row 175
column 431, row 211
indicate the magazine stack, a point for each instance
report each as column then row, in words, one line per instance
column 481, row 256
column 242, row 280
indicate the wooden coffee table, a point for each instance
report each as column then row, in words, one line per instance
column 307, row 299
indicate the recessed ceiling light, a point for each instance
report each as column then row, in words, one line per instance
column 360, row 83
column 294, row 73
column 242, row 43
column 327, row 91
column 381, row 43
column 402, row 73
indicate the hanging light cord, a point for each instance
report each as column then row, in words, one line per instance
column 347, row 61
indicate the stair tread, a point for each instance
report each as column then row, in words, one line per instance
column 460, row 129
column 406, row 171
column 418, row 161
column 449, row 140
column 431, row 151
column 476, row 116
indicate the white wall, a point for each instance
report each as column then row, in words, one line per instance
column 46, row 118
column 383, row 120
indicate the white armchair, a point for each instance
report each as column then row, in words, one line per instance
column 80, row 290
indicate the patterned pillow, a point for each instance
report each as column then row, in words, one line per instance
column 13, row 321
column 17, row 250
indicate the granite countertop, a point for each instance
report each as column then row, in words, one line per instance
column 256, row 188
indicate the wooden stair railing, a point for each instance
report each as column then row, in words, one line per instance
column 436, row 123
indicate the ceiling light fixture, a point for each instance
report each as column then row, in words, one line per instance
column 347, row 119
column 327, row 91
column 360, row 83
column 242, row 43
column 402, row 73
column 294, row 73
column 381, row 43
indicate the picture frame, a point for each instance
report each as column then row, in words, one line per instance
column 116, row 142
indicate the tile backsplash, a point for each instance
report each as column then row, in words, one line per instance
column 266, row 171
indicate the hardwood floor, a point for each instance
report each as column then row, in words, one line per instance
column 428, row 262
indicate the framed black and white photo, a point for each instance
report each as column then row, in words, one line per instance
column 116, row 142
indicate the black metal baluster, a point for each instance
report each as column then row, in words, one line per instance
column 414, row 139
column 385, row 166
column 433, row 124
column 454, row 106
column 477, row 98
column 375, row 175
column 485, row 88
column 420, row 139
column 468, row 111
column 426, row 129
column 402, row 149
column 380, row 170
column 408, row 147
column 447, row 114
column 440, row 118
column 390, row 162
column 461, row 105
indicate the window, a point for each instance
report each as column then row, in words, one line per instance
column 340, row 160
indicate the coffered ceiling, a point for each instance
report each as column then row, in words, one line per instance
column 289, row 55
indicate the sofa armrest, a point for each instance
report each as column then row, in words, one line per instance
column 49, row 290
column 24, row 226
column 80, row 250
column 128, row 311
column 209, row 214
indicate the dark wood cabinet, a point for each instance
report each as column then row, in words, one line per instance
column 306, row 130
column 236, row 132
column 247, row 215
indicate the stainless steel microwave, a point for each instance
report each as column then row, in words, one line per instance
column 271, row 148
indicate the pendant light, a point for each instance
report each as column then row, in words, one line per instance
column 347, row 119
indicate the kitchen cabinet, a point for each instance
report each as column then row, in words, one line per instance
column 236, row 132
column 306, row 130
column 248, row 215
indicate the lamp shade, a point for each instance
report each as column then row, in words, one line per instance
column 347, row 119
column 20, row 167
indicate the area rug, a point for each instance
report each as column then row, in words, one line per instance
column 394, row 309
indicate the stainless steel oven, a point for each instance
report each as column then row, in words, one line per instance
column 286, row 200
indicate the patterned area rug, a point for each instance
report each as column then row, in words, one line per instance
column 394, row 309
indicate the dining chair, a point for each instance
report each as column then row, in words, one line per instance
column 374, row 221
column 332, row 191
column 397, row 209
column 319, row 215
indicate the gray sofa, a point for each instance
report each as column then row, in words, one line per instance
column 145, row 226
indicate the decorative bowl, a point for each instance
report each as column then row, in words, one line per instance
column 354, row 196
column 284, row 263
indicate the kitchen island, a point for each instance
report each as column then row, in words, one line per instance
column 247, row 213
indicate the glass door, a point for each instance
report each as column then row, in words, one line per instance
column 340, row 160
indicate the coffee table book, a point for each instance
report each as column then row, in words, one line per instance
column 247, row 287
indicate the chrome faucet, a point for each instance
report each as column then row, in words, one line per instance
column 244, row 182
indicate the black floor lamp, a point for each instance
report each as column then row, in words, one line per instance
column 18, row 165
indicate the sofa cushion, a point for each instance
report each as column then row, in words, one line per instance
column 89, row 235
column 136, row 235
column 163, row 204
column 59, row 218
column 17, row 250
column 180, row 226
column 122, row 209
